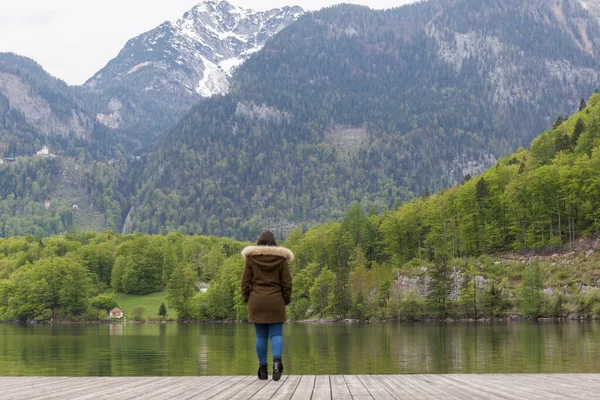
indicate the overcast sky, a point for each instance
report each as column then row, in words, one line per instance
column 72, row 39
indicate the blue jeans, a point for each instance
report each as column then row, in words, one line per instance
column 263, row 333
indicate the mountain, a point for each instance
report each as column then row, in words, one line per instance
column 160, row 74
column 593, row 6
column 39, row 110
column 350, row 103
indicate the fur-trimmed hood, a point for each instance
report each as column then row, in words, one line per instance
column 268, row 251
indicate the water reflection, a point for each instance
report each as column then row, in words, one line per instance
column 224, row 349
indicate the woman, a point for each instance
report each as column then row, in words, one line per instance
column 267, row 289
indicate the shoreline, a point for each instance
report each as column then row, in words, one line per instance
column 508, row 319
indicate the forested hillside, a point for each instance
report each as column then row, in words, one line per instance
column 351, row 104
column 44, row 195
column 470, row 251
column 37, row 110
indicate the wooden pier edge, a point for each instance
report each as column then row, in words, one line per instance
column 444, row 386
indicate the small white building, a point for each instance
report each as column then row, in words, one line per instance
column 203, row 286
column 43, row 152
column 116, row 313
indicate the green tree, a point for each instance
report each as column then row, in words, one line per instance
column 341, row 300
column 482, row 192
column 412, row 306
column 181, row 289
column 303, row 281
column 321, row 291
column 104, row 301
column 493, row 301
column 531, row 298
column 162, row 310
column 577, row 131
column 468, row 294
column 440, row 284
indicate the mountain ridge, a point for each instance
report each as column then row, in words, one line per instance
column 166, row 70
column 376, row 106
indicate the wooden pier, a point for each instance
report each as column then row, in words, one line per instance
column 454, row 386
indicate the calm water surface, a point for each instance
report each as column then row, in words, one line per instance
column 369, row 348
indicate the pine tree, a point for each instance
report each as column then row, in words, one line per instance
column 440, row 284
column 558, row 122
column 341, row 293
column 562, row 142
column 582, row 105
column 162, row 310
column 493, row 301
column 577, row 131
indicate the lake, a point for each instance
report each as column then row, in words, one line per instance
column 341, row 348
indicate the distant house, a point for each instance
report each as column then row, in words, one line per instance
column 203, row 286
column 43, row 152
column 116, row 313
column 7, row 160
column 47, row 204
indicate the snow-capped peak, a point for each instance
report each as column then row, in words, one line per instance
column 227, row 35
column 200, row 49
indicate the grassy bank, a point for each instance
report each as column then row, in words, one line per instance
column 150, row 302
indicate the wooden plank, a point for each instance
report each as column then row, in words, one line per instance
column 356, row 388
column 70, row 387
column 558, row 383
column 393, row 389
column 305, row 387
column 9, row 383
column 339, row 389
column 191, row 392
column 216, row 389
column 515, row 387
column 49, row 388
column 322, row 388
column 518, row 387
column 31, row 385
column 232, row 390
column 429, row 384
column 269, row 389
column 250, row 390
column 485, row 384
column 286, row 391
column 374, row 388
column 190, row 383
column 409, row 386
column 449, row 386
column 121, row 384
column 140, row 391
column 460, row 389
column 466, row 380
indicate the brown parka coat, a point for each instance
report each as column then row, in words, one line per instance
column 267, row 283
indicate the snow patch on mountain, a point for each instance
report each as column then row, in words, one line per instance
column 214, row 80
column 199, row 51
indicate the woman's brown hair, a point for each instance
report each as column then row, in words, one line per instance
column 266, row 238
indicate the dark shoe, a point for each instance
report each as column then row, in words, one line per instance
column 277, row 369
column 262, row 372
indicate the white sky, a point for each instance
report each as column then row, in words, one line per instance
column 72, row 39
